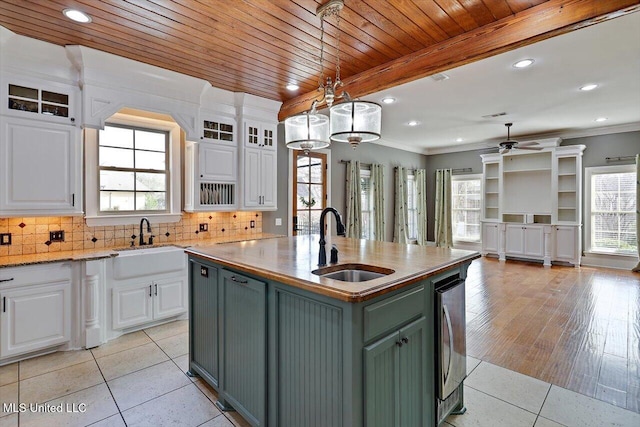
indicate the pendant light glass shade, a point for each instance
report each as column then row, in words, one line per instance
column 355, row 122
column 307, row 131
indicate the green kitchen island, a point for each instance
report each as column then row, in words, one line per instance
column 286, row 347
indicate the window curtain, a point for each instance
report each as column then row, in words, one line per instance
column 377, row 181
column 354, row 201
column 421, row 205
column 400, row 222
column 443, row 231
column 637, row 267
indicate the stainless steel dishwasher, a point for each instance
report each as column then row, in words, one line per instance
column 451, row 342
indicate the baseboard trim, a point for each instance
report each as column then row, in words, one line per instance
column 608, row 261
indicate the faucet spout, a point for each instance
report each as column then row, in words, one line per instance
column 142, row 242
column 322, row 256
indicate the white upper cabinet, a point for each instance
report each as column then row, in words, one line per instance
column 260, row 135
column 260, row 165
column 211, row 166
column 218, row 129
column 32, row 99
column 40, row 168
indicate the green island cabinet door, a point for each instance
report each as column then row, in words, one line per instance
column 203, row 321
column 396, row 378
column 243, row 346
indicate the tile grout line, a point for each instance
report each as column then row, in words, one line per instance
column 502, row 400
column 542, row 406
column 110, row 392
column 53, row 370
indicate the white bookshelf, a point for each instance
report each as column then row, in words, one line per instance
column 528, row 194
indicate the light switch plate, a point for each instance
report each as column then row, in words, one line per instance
column 278, row 221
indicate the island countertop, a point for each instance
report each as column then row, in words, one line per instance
column 291, row 260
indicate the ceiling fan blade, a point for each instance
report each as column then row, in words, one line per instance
column 504, row 150
column 525, row 144
column 528, row 148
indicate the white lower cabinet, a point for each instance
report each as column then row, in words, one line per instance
column 139, row 303
column 36, row 309
column 568, row 242
column 525, row 240
column 490, row 238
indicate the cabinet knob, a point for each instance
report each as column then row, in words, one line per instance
column 405, row 340
column 399, row 343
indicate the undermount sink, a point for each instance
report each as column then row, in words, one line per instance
column 137, row 262
column 353, row 272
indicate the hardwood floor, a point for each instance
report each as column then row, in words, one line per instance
column 578, row 328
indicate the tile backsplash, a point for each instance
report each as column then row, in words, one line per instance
column 30, row 235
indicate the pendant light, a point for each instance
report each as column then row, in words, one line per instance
column 307, row 131
column 351, row 121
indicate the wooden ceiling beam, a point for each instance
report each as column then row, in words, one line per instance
column 546, row 20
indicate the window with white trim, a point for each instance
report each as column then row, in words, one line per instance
column 412, row 209
column 466, row 204
column 611, row 210
column 133, row 169
column 148, row 161
column 366, row 204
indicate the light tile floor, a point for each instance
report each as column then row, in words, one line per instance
column 139, row 380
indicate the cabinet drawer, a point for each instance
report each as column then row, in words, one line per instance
column 34, row 274
column 392, row 312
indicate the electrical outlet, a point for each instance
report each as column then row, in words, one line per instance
column 204, row 227
column 252, row 224
column 278, row 221
column 56, row 236
column 5, row 238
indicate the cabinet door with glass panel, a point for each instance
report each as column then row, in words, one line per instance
column 309, row 191
column 133, row 169
column 40, row 100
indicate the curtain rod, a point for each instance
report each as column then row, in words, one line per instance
column 618, row 159
column 459, row 170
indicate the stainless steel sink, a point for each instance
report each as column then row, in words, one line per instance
column 353, row 272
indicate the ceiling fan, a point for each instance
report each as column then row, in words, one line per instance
column 509, row 144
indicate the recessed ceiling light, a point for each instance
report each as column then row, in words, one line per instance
column 388, row 100
column 589, row 87
column 292, row 86
column 601, row 119
column 77, row 16
column 459, row 139
column 413, row 123
column 524, row 63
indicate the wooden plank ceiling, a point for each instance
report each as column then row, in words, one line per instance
column 258, row 46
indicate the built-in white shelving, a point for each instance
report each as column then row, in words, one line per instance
column 531, row 195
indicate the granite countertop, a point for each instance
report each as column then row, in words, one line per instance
column 94, row 254
column 290, row 260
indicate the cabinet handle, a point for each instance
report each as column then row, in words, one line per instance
column 6, row 280
column 149, row 291
column 399, row 343
column 4, row 304
column 235, row 279
column 156, row 285
column 405, row 340
column 73, row 199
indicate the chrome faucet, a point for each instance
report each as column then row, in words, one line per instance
column 142, row 242
column 322, row 256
